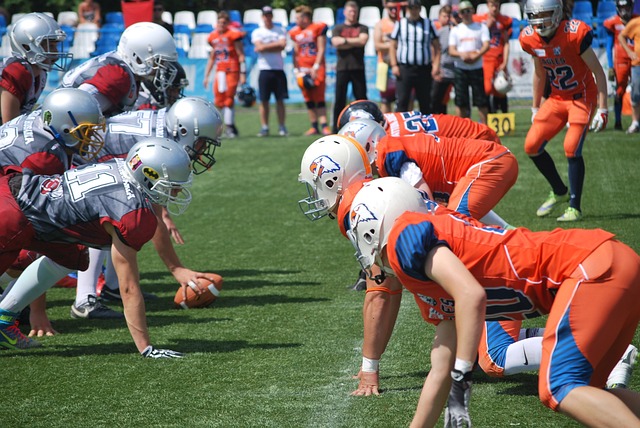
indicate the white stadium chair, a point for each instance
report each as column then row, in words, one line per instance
column 280, row 16
column 5, row 47
column 324, row 14
column 200, row 48
column 434, row 11
column 84, row 40
column 167, row 17
column 252, row 16
column 68, row 17
column 423, row 12
column 185, row 17
column 482, row 9
column 207, row 17
column 370, row 47
column 512, row 10
column 369, row 16
column 292, row 16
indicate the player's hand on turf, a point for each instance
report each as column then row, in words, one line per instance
column 600, row 120
column 457, row 411
column 40, row 325
column 368, row 384
column 151, row 352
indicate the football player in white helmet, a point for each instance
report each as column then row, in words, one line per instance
column 367, row 132
column 146, row 52
column 36, row 48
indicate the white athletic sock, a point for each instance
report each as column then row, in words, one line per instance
column 523, row 356
column 88, row 279
column 493, row 219
column 36, row 279
column 229, row 115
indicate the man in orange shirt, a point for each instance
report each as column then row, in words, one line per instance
column 562, row 54
column 228, row 56
column 497, row 57
column 309, row 44
column 620, row 60
column 632, row 32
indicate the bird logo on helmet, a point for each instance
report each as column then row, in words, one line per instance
column 247, row 95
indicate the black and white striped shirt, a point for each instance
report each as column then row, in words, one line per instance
column 414, row 41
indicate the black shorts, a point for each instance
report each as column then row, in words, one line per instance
column 470, row 78
column 272, row 82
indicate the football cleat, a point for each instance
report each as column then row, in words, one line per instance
column 570, row 214
column 621, row 374
column 264, row 132
column 283, row 131
column 550, row 203
column 12, row 338
column 635, row 127
column 94, row 309
column 326, row 130
column 312, row 131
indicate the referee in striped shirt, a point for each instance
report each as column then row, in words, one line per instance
column 415, row 57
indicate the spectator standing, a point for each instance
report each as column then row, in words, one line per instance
column 349, row 39
column 468, row 42
column 269, row 42
column 89, row 12
column 228, row 56
column 309, row 45
column 632, row 32
column 415, row 57
column 443, row 81
column 158, row 10
column 382, row 41
column 497, row 57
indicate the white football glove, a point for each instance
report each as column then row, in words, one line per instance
column 151, row 352
column 534, row 111
column 600, row 120
column 457, row 411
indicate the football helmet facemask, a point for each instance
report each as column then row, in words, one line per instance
column 162, row 170
column 150, row 51
column 196, row 125
column 624, row 8
column 373, row 211
column 330, row 165
column 74, row 118
column 38, row 38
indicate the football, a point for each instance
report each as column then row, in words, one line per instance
column 193, row 299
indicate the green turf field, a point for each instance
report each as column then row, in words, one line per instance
column 280, row 345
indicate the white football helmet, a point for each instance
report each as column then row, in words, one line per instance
column 162, row 170
column 367, row 132
column 373, row 211
column 74, row 118
column 197, row 125
column 38, row 38
column 330, row 165
column 502, row 82
column 150, row 51
column 544, row 15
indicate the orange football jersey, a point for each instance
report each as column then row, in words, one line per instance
column 500, row 33
column 519, row 269
column 224, row 51
column 569, row 76
column 306, row 41
column 615, row 26
column 412, row 122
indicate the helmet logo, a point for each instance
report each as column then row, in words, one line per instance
column 361, row 114
column 46, row 117
column 135, row 163
column 361, row 214
column 150, row 173
column 323, row 165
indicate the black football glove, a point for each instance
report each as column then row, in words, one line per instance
column 457, row 411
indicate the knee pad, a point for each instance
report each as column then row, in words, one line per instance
column 321, row 104
column 310, row 105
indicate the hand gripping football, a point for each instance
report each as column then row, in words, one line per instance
column 193, row 299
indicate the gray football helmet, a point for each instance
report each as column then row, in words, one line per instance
column 150, row 51
column 196, row 125
column 544, row 16
column 38, row 38
column 74, row 118
column 162, row 170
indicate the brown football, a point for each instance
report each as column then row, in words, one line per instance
column 210, row 292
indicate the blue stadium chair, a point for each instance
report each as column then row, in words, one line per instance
column 204, row 28
column 340, row 15
column 235, row 16
column 582, row 7
column 109, row 37
column 606, row 9
column 3, row 22
column 114, row 18
column 70, row 31
column 182, row 36
column 516, row 28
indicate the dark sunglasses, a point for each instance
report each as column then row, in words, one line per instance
column 466, row 11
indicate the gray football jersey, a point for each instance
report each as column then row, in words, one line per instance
column 38, row 83
column 26, row 138
column 72, row 207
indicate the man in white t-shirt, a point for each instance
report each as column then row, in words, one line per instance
column 269, row 42
column 468, row 42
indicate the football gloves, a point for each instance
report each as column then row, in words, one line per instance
column 151, row 352
column 457, row 412
column 600, row 120
column 534, row 111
